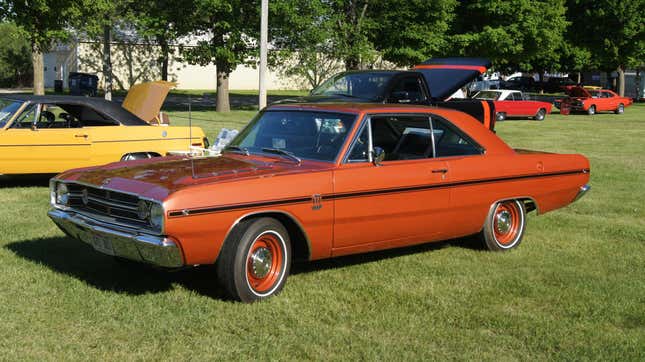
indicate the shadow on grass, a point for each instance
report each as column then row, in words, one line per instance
column 357, row 259
column 76, row 259
column 25, row 180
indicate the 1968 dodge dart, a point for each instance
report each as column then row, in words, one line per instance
column 312, row 181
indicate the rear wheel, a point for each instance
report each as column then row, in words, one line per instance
column 501, row 116
column 591, row 111
column 505, row 224
column 539, row 116
column 255, row 260
column 620, row 109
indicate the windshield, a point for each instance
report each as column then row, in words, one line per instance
column 310, row 135
column 490, row 95
column 364, row 85
column 7, row 109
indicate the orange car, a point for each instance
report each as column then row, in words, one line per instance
column 581, row 99
column 313, row 181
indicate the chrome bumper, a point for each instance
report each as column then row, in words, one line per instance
column 118, row 241
column 583, row 190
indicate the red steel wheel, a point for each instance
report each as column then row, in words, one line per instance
column 264, row 262
column 504, row 225
column 255, row 259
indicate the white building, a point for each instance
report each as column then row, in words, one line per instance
column 133, row 63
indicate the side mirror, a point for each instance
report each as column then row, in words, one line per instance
column 378, row 155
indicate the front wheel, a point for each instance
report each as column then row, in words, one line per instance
column 540, row 115
column 620, row 109
column 591, row 111
column 504, row 226
column 501, row 116
column 255, row 260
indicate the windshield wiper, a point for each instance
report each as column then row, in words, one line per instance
column 345, row 95
column 237, row 149
column 283, row 153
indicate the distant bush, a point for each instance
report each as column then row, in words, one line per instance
column 15, row 57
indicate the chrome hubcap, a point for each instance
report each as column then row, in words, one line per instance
column 503, row 222
column 261, row 262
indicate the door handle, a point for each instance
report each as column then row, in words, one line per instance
column 440, row 170
column 80, row 135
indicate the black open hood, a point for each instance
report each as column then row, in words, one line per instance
column 445, row 76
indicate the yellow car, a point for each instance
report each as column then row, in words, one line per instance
column 51, row 134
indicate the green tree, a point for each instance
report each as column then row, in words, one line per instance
column 407, row 32
column 15, row 57
column 226, row 33
column 97, row 21
column 162, row 21
column 358, row 33
column 611, row 31
column 515, row 34
column 44, row 22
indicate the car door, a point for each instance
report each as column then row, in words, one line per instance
column 397, row 202
column 39, row 141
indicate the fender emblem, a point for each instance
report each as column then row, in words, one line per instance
column 317, row 202
column 106, row 181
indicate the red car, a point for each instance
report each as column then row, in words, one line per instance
column 513, row 104
column 313, row 181
column 593, row 101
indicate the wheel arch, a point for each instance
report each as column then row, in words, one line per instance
column 300, row 243
column 140, row 155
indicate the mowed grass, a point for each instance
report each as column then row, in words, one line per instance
column 574, row 289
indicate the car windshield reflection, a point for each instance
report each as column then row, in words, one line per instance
column 364, row 85
column 7, row 109
column 295, row 135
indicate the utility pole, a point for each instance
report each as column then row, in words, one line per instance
column 264, row 33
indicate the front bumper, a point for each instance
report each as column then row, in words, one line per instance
column 119, row 241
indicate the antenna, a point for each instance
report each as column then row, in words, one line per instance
column 190, row 123
column 190, row 134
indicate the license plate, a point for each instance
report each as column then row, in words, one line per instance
column 102, row 243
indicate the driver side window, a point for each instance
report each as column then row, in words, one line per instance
column 26, row 118
column 53, row 116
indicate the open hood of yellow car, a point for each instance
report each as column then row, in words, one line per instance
column 145, row 99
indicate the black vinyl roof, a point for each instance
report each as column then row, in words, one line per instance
column 108, row 108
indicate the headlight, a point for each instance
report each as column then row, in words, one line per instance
column 156, row 215
column 143, row 209
column 62, row 194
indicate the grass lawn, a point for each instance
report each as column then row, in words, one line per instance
column 574, row 289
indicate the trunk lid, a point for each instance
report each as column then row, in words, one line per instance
column 145, row 99
column 445, row 76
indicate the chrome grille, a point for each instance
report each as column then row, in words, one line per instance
column 119, row 206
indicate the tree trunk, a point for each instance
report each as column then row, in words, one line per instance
column 621, row 81
column 39, row 71
column 223, row 104
column 107, row 64
column 165, row 51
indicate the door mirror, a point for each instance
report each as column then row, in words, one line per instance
column 378, row 155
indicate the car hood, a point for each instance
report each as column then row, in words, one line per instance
column 145, row 99
column 155, row 178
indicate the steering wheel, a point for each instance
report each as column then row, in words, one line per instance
column 68, row 119
column 49, row 117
